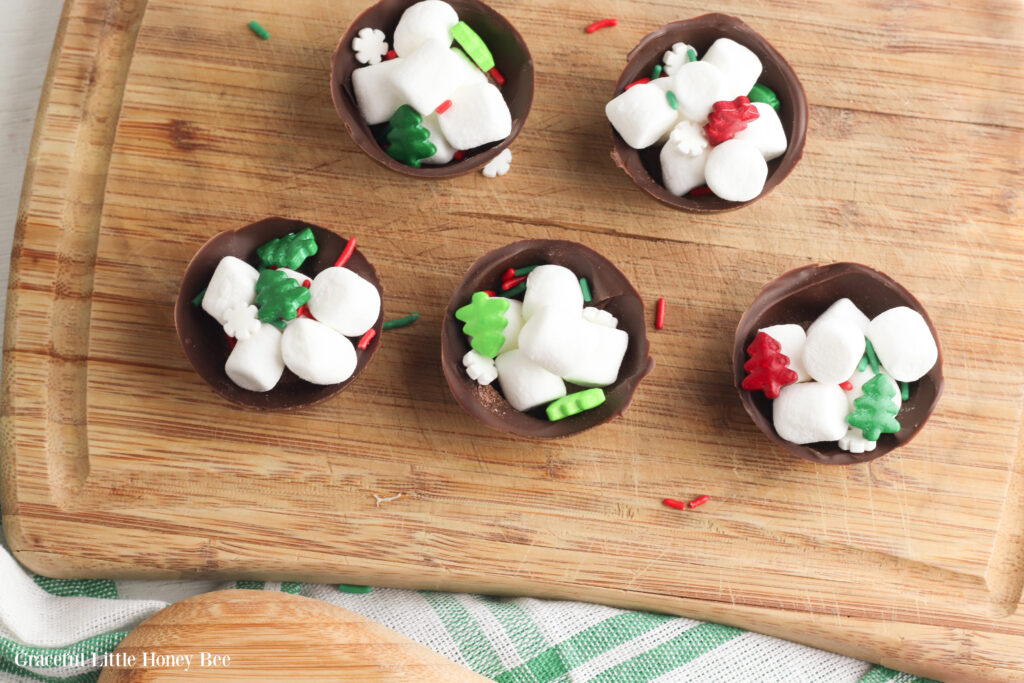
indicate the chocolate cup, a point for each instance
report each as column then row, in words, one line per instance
column 801, row 295
column 644, row 165
column 611, row 291
column 511, row 57
column 203, row 338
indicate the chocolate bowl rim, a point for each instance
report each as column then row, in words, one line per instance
column 796, row 281
column 360, row 131
column 629, row 160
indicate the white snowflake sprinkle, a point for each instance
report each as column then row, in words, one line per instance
column 676, row 57
column 241, row 322
column 499, row 165
column 369, row 45
column 689, row 138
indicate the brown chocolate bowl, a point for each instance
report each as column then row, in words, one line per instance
column 611, row 291
column 644, row 165
column 204, row 340
column 801, row 295
column 511, row 57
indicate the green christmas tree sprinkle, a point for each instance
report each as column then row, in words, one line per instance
column 278, row 297
column 289, row 251
column 484, row 319
column 409, row 142
column 875, row 413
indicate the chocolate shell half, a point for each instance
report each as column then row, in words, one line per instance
column 205, row 343
column 610, row 290
column 511, row 58
column 644, row 165
column 800, row 296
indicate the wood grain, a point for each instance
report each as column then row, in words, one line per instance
column 257, row 635
column 164, row 123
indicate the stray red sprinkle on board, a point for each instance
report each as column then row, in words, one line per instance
column 697, row 502
column 846, row 386
column 602, row 23
column 659, row 317
column 391, row 54
column 364, row 341
column 346, row 253
column 678, row 505
column 443, row 107
column 496, row 75
column 514, row 282
column 643, row 80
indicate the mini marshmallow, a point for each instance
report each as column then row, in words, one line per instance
column 295, row 275
column 471, row 73
column 555, row 286
column 791, row 338
column 240, row 321
column 810, row 412
column 854, row 440
column 697, row 86
column 736, row 171
column 499, row 165
column 676, row 57
column 375, row 94
column 344, row 301
column 903, row 343
column 843, row 309
column 427, row 77
column 444, row 152
column 478, row 115
column 575, row 349
column 525, row 384
column 422, row 22
column 480, row 368
column 599, row 316
column 316, row 353
column 256, row 363
column 641, row 115
column 765, row 132
column 833, row 349
column 369, row 45
column 514, row 316
column 738, row 64
column 680, row 172
column 233, row 283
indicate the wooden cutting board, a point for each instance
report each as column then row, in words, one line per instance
column 164, row 123
column 242, row 635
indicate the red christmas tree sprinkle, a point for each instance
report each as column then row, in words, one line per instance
column 768, row 367
column 729, row 118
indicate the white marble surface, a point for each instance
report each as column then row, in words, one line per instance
column 26, row 36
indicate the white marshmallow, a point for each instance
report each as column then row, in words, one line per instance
column 740, row 66
column 575, row 349
column 255, row 363
column 833, row 350
column 525, row 384
column 641, row 115
column 676, row 57
column 444, row 152
column 810, row 412
column 422, row 22
column 316, row 353
column 736, row 171
column 471, row 73
column 514, row 316
column 765, row 132
column 680, row 172
column 697, row 86
column 344, row 301
column 903, row 343
column 241, row 322
column 377, row 97
column 478, row 115
column 296, row 275
column 599, row 316
column 791, row 338
column 846, row 310
column 480, row 368
column 428, row 77
column 233, row 283
column 854, row 440
column 555, row 286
